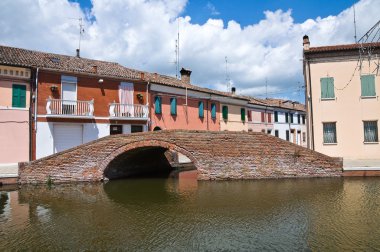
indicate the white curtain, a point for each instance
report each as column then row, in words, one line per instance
column 126, row 98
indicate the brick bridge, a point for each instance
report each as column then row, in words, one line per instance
column 215, row 155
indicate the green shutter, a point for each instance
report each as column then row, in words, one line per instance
column 200, row 109
column 368, row 85
column 18, row 96
column 327, row 88
column 173, row 106
column 213, row 110
column 157, row 105
column 242, row 113
column 225, row 112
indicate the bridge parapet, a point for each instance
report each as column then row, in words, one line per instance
column 216, row 155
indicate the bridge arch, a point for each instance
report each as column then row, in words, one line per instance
column 131, row 159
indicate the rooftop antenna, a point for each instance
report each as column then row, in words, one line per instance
column 356, row 41
column 266, row 88
column 81, row 31
column 228, row 81
column 177, row 60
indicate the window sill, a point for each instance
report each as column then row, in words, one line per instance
column 368, row 97
column 328, row 99
column 330, row 143
column 371, row 142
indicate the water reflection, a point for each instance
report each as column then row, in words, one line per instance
column 169, row 214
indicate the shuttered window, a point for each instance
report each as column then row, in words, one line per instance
column 157, row 105
column 327, row 88
column 303, row 119
column 225, row 112
column 173, row 106
column 299, row 119
column 242, row 114
column 287, row 135
column 18, row 96
column 262, row 117
column 368, row 85
column 269, row 117
column 276, row 133
column 249, row 115
column 213, row 110
column 275, row 116
column 201, row 109
column 329, row 132
column 370, row 132
column 291, row 118
column 287, row 117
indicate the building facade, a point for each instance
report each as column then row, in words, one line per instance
column 342, row 87
column 15, row 96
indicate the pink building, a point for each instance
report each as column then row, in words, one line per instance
column 260, row 116
column 14, row 114
column 176, row 104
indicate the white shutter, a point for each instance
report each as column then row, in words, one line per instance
column 67, row 136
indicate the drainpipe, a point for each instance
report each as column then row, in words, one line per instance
column 147, row 104
column 207, row 113
column 311, row 107
column 30, row 117
column 35, row 103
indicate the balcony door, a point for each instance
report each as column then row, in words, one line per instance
column 69, row 97
column 126, row 99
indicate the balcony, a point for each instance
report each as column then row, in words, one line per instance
column 68, row 108
column 128, row 111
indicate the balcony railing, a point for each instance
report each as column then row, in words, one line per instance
column 128, row 111
column 69, row 108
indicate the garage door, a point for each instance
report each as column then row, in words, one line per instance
column 67, row 136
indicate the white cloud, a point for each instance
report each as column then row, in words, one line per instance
column 212, row 9
column 141, row 34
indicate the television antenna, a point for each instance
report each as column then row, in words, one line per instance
column 228, row 80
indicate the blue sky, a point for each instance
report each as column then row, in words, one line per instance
column 251, row 11
column 263, row 43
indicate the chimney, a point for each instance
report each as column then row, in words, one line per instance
column 306, row 43
column 78, row 53
column 185, row 75
column 233, row 90
column 95, row 68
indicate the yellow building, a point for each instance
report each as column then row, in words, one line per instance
column 342, row 89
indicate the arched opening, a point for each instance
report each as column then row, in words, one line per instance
column 148, row 161
column 156, row 128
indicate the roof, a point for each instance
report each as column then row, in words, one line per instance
column 58, row 62
column 346, row 47
column 287, row 104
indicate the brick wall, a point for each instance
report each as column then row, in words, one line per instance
column 216, row 155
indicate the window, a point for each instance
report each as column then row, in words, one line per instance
column 370, row 132
column 262, row 117
column 269, row 117
column 327, row 88
column 291, row 118
column 157, row 105
column 225, row 112
column 287, row 117
column 242, row 114
column 116, row 129
column 269, row 132
column 368, row 85
column 287, row 135
column 200, row 109
column 303, row 136
column 213, row 110
column 173, row 106
column 275, row 116
column 299, row 119
column 249, row 115
column 329, row 132
column 136, row 128
column 18, row 96
column 276, row 133
column 303, row 119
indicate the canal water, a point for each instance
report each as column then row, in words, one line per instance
column 332, row 214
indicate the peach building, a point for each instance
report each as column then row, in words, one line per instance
column 14, row 114
column 342, row 89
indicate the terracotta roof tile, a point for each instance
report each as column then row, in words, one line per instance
column 51, row 61
column 341, row 47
